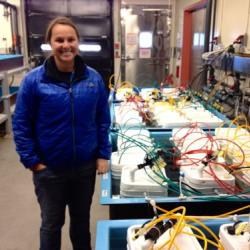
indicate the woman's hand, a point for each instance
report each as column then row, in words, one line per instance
column 38, row 167
column 102, row 166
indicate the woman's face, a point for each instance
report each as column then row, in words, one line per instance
column 64, row 44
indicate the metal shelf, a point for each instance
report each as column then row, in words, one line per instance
column 3, row 118
column 112, row 235
column 8, row 62
column 8, row 93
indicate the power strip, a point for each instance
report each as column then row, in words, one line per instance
column 234, row 242
column 182, row 241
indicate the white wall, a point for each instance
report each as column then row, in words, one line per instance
column 6, row 29
column 232, row 20
column 5, row 34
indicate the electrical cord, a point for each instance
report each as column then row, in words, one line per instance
column 151, row 151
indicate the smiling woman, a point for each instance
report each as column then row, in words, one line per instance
column 61, row 126
column 64, row 41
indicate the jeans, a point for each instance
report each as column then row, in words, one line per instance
column 54, row 191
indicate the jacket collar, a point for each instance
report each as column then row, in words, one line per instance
column 52, row 72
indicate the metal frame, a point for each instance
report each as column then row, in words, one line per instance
column 111, row 235
column 6, row 95
column 124, row 208
column 187, row 37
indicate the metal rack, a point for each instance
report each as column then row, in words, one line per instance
column 8, row 93
column 112, row 234
column 124, row 207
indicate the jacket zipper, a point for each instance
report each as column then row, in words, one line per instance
column 73, row 121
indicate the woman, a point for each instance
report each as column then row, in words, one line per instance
column 60, row 126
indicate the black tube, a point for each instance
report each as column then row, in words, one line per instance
column 214, row 19
column 159, row 229
column 15, row 32
column 208, row 25
column 207, row 38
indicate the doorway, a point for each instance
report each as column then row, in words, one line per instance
column 145, row 44
column 196, row 33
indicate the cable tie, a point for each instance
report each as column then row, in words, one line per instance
column 182, row 197
column 235, row 217
column 182, row 174
column 152, row 202
column 146, row 197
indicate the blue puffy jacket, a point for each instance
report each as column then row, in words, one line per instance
column 61, row 124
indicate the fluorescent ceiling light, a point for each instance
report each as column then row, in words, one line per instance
column 145, row 39
column 196, row 39
column 151, row 9
column 202, row 39
column 124, row 12
column 45, row 47
column 90, row 47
